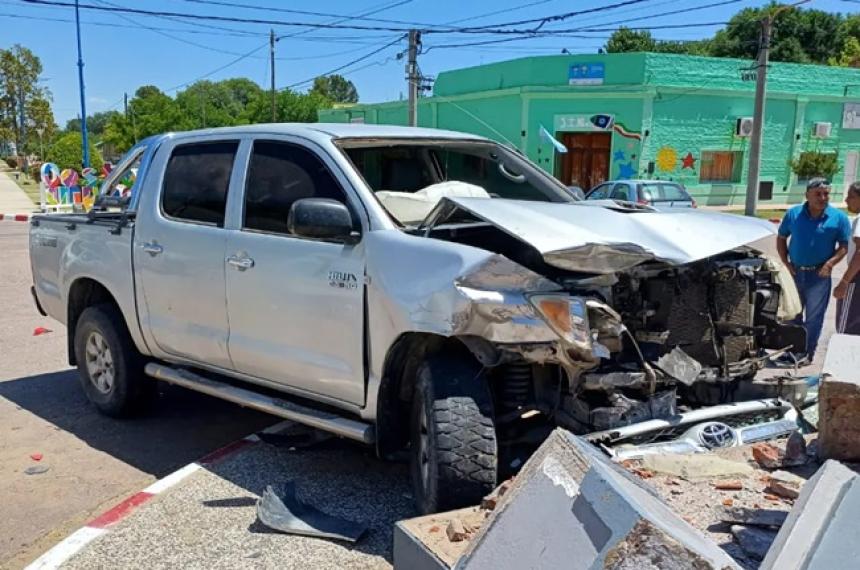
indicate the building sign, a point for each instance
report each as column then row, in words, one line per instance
column 586, row 74
column 582, row 122
column 851, row 116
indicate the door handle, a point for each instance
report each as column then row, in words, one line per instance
column 152, row 248
column 240, row 263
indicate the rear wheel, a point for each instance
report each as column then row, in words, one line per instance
column 454, row 451
column 109, row 365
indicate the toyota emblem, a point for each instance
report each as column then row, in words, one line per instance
column 715, row 434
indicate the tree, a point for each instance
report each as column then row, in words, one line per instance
column 96, row 123
column 335, row 88
column 150, row 112
column 811, row 164
column 627, row 40
column 850, row 55
column 20, row 69
column 67, row 152
column 218, row 104
column 290, row 107
column 41, row 124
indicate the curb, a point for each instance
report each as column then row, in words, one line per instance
column 75, row 542
column 16, row 217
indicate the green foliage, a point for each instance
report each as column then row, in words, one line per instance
column 150, row 112
column 798, row 36
column 811, row 164
column 335, row 88
column 20, row 69
column 12, row 162
column 67, row 152
column 96, row 123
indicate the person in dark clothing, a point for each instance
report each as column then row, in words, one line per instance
column 846, row 292
column 813, row 238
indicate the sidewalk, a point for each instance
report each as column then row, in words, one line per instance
column 13, row 200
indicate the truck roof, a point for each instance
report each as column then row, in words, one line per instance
column 334, row 130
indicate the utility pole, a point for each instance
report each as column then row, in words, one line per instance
column 272, row 87
column 758, row 117
column 84, row 139
column 412, row 76
column 125, row 104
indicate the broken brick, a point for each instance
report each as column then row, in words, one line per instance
column 644, row 473
column 728, row 502
column 728, row 485
column 766, row 455
column 456, row 531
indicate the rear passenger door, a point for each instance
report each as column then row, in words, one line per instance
column 179, row 251
column 296, row 305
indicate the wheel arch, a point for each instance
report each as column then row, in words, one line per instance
column 85, row 292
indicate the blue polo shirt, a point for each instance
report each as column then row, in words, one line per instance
column 813, row 240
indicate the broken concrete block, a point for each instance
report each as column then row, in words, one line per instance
column 456, row 531
column 694, row 466
column 821, row 531
column 752, row 517
column 785, row 484
column 570, row 507
column 755, row 542
column 795, row 450
column 839, row 400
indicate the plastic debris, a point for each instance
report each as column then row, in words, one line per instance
column 41, row 330
column 283, row 512
column 36, row 469
column 36, row 456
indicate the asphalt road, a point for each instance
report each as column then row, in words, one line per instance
column 92, row 461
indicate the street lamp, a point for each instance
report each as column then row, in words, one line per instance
column 84, row 142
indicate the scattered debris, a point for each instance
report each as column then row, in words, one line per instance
column 492, row 500
column 754, row 541
column 728, row 502
column 772, row 498
column 435, row 528
column 643, row 473
column 456, row 531
column 752, row 517
column 728, row 485
column 36, row 456
column 36, row 469
column 38, row 331
column 785, row 484
column 282, row 511
column 795, row 451
column 696, row 466
column 767, row 455
column 680, row 366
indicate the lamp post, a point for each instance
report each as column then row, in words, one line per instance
column 84, row 140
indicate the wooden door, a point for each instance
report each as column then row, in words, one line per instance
column 586, row 163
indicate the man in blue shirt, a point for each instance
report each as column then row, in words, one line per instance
column 813, row 238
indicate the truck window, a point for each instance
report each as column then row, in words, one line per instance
column 196, row 181
column 278, row 175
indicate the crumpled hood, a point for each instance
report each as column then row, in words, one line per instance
column 594, row 238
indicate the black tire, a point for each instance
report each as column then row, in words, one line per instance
column 457, row 462
column 129, row 391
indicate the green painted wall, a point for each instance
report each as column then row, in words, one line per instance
column 665, row 106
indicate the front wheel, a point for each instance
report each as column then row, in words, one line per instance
column 109, row 365
column 454, row 453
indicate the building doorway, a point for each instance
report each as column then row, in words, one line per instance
column 586, row 163
column 852, row 158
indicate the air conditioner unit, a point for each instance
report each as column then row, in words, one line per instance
column 821, row 130
column 744, row 127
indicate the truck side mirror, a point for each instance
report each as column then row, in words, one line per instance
column 321, row 218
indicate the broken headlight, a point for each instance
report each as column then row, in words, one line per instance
column 566, row 316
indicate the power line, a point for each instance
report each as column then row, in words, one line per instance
column 497, row 12
column 344, row 66
column 221, row 68
column 671, row 13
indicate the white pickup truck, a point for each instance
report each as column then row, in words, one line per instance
column 422, row 291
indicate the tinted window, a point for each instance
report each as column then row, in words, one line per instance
column 664, row 193
column 278, row 175
column 196, row 181
column 599, row 193
column 619, row 192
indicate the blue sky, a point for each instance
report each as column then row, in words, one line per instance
column 121, row 54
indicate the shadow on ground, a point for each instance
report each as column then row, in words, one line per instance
column 180, row 427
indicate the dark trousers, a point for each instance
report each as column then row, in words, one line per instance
column 814, row 296
column 848, row 310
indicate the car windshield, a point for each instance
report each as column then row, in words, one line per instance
column 410, row 177
column 663, row 192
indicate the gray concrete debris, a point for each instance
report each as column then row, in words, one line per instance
column 570, row 507
column 751, row 517
column 795, row 450
column 821, row 532
column 694, row 466
column 755, row 542
column 839, row 400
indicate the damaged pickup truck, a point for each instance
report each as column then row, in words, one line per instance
column 428, row 292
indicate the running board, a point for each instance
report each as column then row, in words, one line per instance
column 326, row 421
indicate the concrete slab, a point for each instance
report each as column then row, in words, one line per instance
column 13, row 200
column 570, row 507
column 839, row 400
column 821, row 532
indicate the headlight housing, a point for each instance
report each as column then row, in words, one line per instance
column 567, row 316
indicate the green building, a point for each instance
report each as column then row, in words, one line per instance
column 648, row 115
